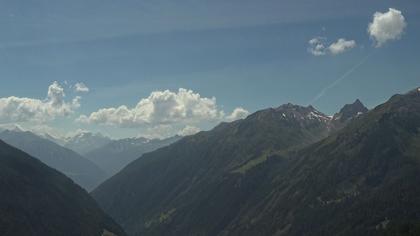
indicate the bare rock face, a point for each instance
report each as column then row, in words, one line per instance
column 347, row 113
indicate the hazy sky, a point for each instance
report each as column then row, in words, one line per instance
column 218, row 60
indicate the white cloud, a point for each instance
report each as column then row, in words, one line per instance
column 387, row 26
column 81, row 87
column 56, row 94
column 238, row 113
column 161, row 107
column 165, row 113
column 22, row 109
column 159, row 131
column 318, row 46
column 189, row 130
column 341, row 46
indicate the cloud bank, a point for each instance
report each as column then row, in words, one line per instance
column 388, row 26
column 184, row 107
column 22, row 109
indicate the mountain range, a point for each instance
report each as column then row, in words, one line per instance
column 84, row 142
column 81, row 141
column 68, row 162
column 200, row 184
column 113, row 156
column 289, row 170
column 88, row 158
column 38, row 200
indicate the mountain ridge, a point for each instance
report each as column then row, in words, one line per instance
column 113, row 156
column 280, row 171
column 350, row 173
column 77, row 167
column 83, row 142
column 193, row 168
column 38, row 200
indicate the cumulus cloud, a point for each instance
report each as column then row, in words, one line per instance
column 189, row 130
column 22, row 109
column 238, row 113
column 341, row 46
column 318, row 46
column 161, row 107
column 387, row 26
column 159, row 131
column 81, row 88
column 165, row 113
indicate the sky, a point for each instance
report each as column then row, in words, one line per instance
column 158, row 68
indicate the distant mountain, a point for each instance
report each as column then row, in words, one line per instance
column 58, row 140
column 113, row 156
column 270, row 175
column 83, row 142
column 38, row 200
column 347, row 113
column 184, row 188
column 11, row 127
column 78, row 168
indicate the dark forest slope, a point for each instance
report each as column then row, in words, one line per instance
column 38, row 200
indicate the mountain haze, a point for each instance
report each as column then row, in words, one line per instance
column 116, row 154
column 75, row 166
column 83, row 141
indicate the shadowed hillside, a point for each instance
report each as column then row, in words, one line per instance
column 38, row 200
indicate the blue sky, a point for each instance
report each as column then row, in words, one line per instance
column 249, row 54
